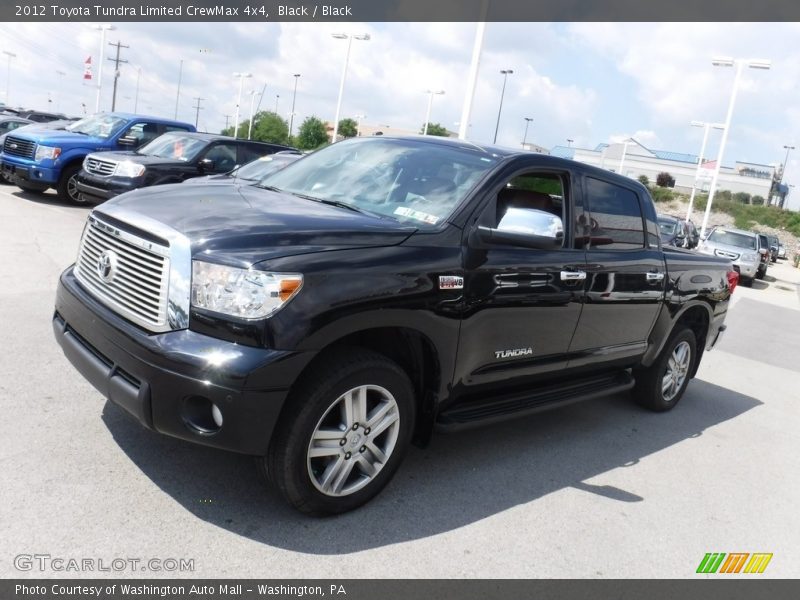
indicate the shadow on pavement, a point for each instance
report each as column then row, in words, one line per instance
column 47, row 197
column 459, row 479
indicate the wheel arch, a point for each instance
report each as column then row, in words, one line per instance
column 697, row 316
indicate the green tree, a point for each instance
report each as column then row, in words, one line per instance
column 312, row 134
column 269, row 127
column 348, row 128
column 435, row 129
column 643, row 179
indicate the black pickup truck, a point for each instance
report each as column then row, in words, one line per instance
column 375, row 291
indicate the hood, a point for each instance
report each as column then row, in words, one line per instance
column 139, row 159
column 58, row 137
column 246, row 224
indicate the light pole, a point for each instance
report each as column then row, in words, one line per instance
column 349, row 38
column 294, row 97
column 569, row 142
column 58, row 91
column 136, row 96
column 178, row 95
column 707, row 127
column 102, row 29
column 624, row 153
column 8, row 74
column 472, row 78
column 739, row 64
column 783, row 171
column 359, row 118
column 242, row 77
column 525, row 135
column 505, row 73
column 430, row 93
column 252, row 102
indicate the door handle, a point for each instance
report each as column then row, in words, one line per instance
column 653, row 277
column 573, row 275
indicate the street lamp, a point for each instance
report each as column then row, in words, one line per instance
column 707, row 127
column 505, row 73
column 136, row 96
column 349, row 37
column 739, row 64
column 253, row 94
column 569, row 142
column 359, row 118
column 624, row 152
column 430, row 105
column 294, row 97
column 8, row 74
column 525, row 135
column 102, row 29
column 242, row 77
column 783, row 171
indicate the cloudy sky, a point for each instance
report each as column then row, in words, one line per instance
column 591, row 82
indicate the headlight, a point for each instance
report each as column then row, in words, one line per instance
column 129, row 169
column 243, row 293
column 750, row 257
column 43, row 152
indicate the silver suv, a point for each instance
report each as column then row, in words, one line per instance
column 740, row 247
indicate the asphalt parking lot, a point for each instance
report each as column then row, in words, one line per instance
column 599, row 489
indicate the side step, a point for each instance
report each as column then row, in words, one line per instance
column 489, row 410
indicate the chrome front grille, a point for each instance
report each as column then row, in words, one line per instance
column 125, row 272
column 95, row 166
column 726, row 254
column 15, row 146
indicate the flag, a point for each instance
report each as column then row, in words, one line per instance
column 87, row 68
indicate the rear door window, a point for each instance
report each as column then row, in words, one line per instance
column 616, row 216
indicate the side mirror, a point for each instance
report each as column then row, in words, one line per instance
column 127, row 140
column 762, row 251
column 529, row 228
column 206, row 164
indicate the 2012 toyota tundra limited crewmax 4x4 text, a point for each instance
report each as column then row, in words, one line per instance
column 374, row 291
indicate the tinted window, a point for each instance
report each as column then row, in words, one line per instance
column 174, row 146
column 224, row 157
column 616, row 216
column 532, row 203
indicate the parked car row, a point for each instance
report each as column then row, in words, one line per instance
column 104, row 155
column 747, row 250
column 678, row 232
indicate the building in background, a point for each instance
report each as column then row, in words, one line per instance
column 751, row 178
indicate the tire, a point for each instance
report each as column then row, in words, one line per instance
column 66, row 189
column 652, row 389
column 31, row 188
column 746, row 281
column 760, row 273
column 352, row 463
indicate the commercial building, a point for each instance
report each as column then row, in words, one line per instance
column 633, row 159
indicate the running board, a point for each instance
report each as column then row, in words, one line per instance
column 479, row 412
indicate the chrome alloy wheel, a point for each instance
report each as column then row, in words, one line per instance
column 353, row 440
column 677, row 370
column 72, row 189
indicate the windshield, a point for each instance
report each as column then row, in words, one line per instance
column 731, row 238
column 174, row 146
column 264, row 166
column 407, row 180
column 101, row 126
column 667, row 226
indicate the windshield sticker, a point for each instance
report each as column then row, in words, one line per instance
column 404, row 211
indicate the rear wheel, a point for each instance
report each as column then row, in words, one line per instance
column 68, row 187
column 746, row 281
column 343, row 435
column 660, row 386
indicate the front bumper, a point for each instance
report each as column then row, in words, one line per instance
column 161, row 379
column 746, row 269
column 99, row 189
column 28, row 170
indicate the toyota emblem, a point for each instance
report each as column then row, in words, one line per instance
column 107, row 265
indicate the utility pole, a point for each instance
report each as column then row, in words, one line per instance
column 197, row 112
column 116, row 62
column 227, row 119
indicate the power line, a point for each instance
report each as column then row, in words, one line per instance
column 197, row 112
column 116, row 61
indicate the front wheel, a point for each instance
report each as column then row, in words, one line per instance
column 68, row 187
column 343, row 435
column 660, row 386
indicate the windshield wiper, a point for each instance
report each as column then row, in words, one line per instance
column 271, row 188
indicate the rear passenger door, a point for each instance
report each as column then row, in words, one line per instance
column 625, row 275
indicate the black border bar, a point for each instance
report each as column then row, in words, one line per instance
column 724, row 587
column 261, row 11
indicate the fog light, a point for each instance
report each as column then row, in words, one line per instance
column 216, row 415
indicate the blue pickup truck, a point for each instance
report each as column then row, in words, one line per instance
column 42, row 159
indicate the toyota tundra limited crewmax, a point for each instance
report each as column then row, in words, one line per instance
column 374, row 292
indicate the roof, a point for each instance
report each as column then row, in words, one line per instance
column 563, row 152
column 676, row 156
column 218, row 136
column 127, row 115
column 452, row 142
